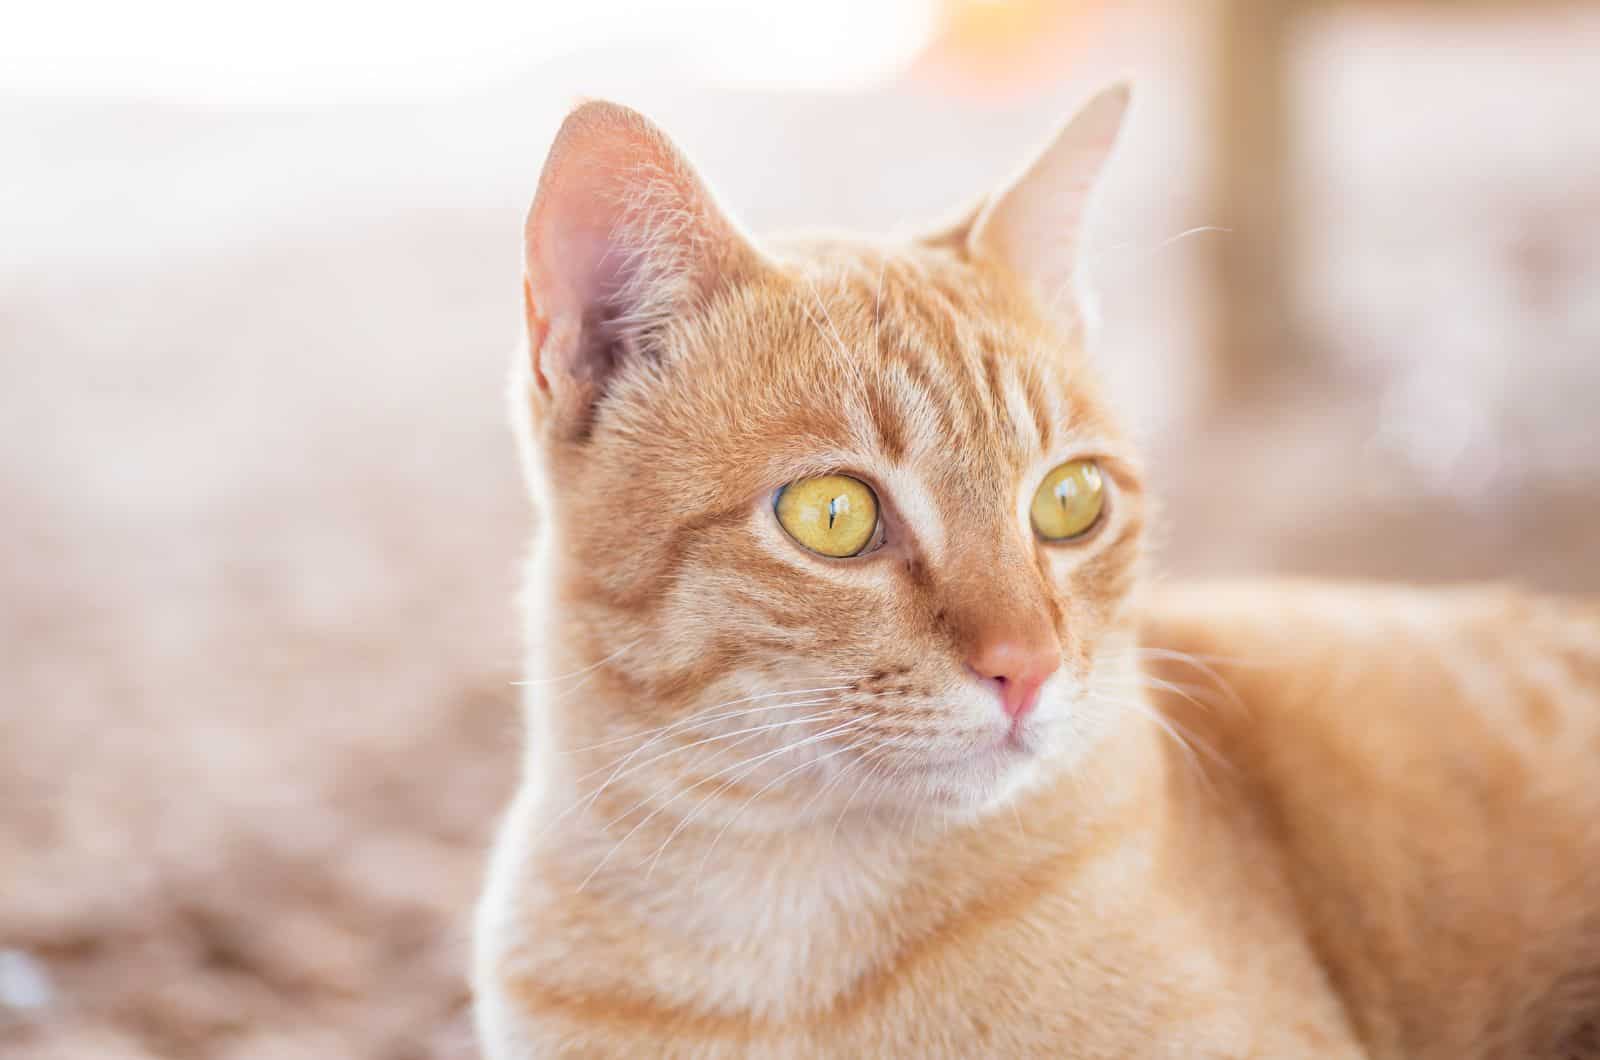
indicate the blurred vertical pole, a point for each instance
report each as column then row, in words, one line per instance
column 1249, row 192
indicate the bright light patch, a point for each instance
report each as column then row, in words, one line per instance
column 298, row 51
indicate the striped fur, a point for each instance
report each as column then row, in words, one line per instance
column 763, row 812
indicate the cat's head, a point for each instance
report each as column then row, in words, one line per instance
column 855, row 508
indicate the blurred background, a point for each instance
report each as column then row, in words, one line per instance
column 259, row 273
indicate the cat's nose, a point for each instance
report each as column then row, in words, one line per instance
column 1018, row 663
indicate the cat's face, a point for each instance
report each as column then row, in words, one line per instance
column 826, row 520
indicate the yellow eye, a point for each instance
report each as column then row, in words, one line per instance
column 834, row 515
column 1069, row 501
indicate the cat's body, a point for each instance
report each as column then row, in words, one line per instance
column 965, row 788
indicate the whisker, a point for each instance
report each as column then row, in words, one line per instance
column 1254, row 662
column 838, row 340
column 540, row 681
column 621, row 770
column 732, row 714
column 704, row 861
column 690, row 819
column 1180, row 736
column 1149, row 682
column 914, row 818
column 876, row 765
column 1142, row 256
column 883, row 789
column 699, row 717
column 824, row 789
column 756, row 761
column 701, row 805
column 766, row 727
column 1202, row 664
column 748, row 734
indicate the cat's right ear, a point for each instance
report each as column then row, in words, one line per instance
column 621, row 238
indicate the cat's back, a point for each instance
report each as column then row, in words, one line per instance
column 1425, row 767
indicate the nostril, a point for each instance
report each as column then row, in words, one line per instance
column 1017, row 697
column 1015, row 687
column 1017, row 670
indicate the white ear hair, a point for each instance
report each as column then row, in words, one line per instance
column 1035, row 225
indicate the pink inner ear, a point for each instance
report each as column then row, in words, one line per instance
column 573, row 245
column 575, row 267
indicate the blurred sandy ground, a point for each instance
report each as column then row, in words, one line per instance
column 261, row 517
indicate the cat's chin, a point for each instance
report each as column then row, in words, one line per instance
column 976, row 781
column 980, row 771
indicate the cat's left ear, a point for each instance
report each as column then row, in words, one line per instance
column 1034, row 226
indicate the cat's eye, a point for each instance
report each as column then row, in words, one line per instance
column 1069, row 501
column 833, row 515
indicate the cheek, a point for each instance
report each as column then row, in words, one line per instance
column 1086, row 594
column 777, row 612
column 1107, row 579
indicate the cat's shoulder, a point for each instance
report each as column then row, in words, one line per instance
column 1430, row 756
column 1354, row 653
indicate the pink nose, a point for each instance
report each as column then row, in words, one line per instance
column 1017, row 666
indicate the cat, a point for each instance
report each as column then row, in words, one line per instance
column 856, row 727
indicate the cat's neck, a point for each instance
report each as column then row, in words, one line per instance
column 797, row 914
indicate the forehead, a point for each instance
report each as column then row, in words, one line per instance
column 911, row 359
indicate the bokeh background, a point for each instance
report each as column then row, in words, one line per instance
column 259, row 271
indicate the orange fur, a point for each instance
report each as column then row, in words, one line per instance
column 767, row 808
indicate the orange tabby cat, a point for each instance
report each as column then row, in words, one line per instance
column 853, row 732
